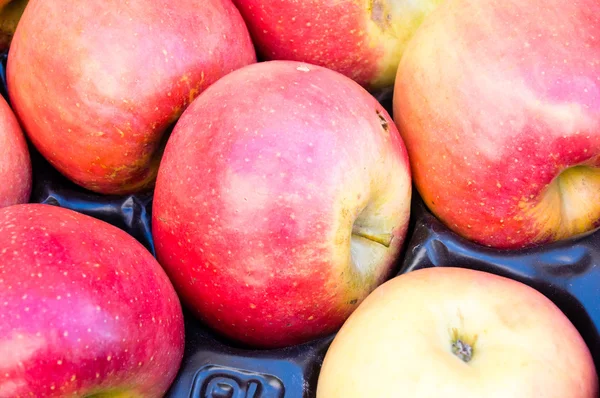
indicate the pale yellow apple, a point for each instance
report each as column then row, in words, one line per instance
column 457, row 333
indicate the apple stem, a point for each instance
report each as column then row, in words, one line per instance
column 383, row 239
column 462, row 350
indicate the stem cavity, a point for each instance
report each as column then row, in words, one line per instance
column 462, row 350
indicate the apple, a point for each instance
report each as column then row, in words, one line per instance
column 499, row 106
column 97, row 87
column 15, row 162
column 10, row 14
column 282, row 200
column 85, row 309
column 363, row 40
column 457, row 333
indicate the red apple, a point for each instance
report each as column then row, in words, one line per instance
column 364, row 39
column 85, row 309
column 282, row 200
column 15, row 163
column 97, row 85
column 457, row 333
column 499, row 105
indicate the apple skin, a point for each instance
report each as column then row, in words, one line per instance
column 15, row 162
column 97, row 87
column 498, row 111
column 398, row 343
column 269, row 184
column 362, row 39
column 84, row 309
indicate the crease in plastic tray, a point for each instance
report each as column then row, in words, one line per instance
column 567, row 272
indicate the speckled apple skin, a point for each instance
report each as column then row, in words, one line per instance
column 96, row 87
column 362, row 39
column 84, row 309
column 257, row 194
column 494, row 108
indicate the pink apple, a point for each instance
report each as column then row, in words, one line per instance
column 499, row 106
column 15, row 163
column 96, row 85
column 364, row 40
column 457, row 333
column 282, row 200
column 85, row 309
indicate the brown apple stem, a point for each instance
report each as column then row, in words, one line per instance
column 383, row 239
column 462, row 350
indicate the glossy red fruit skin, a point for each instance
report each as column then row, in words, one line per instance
column 254, row 203
column 15, row 162
column 96, row 88
column 493, row 109
column 361, row 39
column 84, row 308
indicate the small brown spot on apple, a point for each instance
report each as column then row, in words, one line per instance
column 383, row 121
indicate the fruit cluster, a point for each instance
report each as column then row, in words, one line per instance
column 282, row 188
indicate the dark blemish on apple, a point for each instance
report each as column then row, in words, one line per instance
column 383, row 121
column 379, row 14
column 462, row 350
column 463, row 347
column 353, row 301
